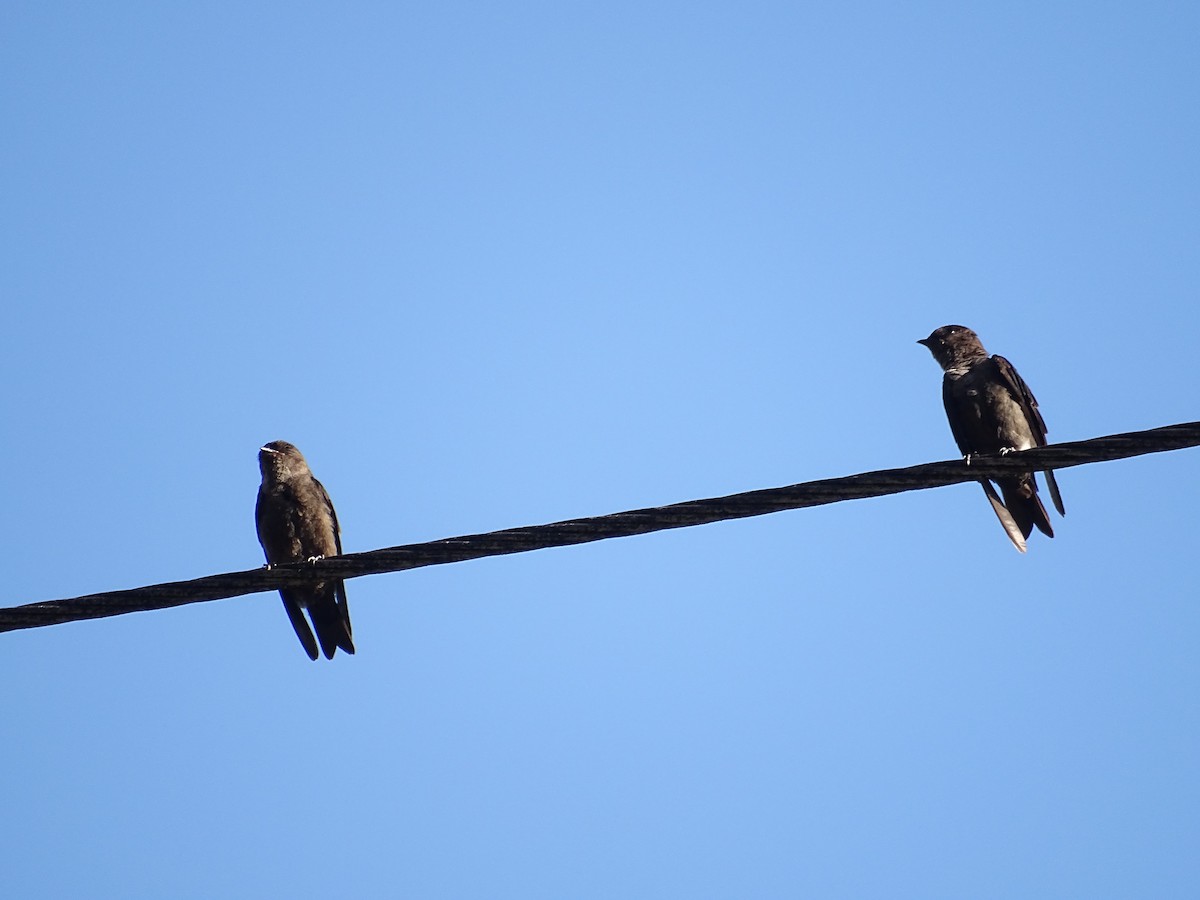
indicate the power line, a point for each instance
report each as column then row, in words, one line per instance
column 598, row 528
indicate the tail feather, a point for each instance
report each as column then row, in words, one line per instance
column 1021, row 499
column 331, row 619
column 1054, row 494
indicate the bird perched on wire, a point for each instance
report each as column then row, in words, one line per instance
column 992, row 410
column 296, row 522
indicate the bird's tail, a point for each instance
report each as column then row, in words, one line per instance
column 331, row 619
column 1021, row 499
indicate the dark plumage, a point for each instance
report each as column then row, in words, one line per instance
column 992, row 410
column 296, row 522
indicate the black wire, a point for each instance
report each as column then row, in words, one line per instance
column 598, row 528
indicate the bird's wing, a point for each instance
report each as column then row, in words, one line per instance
column 346, row 641
column 337, row 530
column 344, row 608
column 952, row 415
column 1020, row 390
column 1010, row 524
column 1054, row 494
column 299, row 623
column 258, row 518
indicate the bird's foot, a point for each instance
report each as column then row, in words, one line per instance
column 967, row 459
column 1004, row 451
column 316, row 559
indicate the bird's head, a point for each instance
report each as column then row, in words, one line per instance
column 954, row 345
column 279, row 460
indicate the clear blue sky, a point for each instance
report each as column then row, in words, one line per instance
column 491, row 265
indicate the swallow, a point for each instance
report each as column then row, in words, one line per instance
column 296, row 522
column 992, row 410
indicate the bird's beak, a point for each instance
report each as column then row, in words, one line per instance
column 924, row 342
column 267, row 450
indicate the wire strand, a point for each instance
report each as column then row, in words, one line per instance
column 597, row 528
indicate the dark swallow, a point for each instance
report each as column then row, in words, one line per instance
column 992, row 410
column 296, row 522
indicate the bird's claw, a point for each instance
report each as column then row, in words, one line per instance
column 316, row 559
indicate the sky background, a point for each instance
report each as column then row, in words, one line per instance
column 492, row 265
